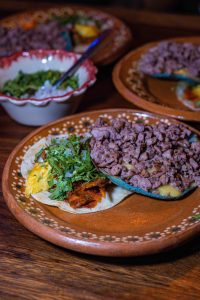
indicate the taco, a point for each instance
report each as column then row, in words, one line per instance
column 189, row 95
column 59, row 172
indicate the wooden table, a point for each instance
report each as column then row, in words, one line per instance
column 31, row 268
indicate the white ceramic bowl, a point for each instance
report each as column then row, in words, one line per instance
column 41, row 111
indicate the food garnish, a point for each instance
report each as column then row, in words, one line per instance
column 197, row 217
column 37, row 180
column 189, row 95
column 86, row 31
column 59, row 172
column 69, row 162
column 26, row 85
column 193, row 93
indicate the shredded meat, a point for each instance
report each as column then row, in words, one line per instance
column 87, row 194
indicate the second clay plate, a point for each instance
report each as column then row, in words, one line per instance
column 152, row 94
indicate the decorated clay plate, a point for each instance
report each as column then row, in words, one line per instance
column 119, row 40
column 136, row 226
column 152, row 94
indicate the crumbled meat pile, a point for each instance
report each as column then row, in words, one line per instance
column 168, row 57
column 146, row 156
column 43, row 36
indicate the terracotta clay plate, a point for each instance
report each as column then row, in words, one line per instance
column 137, row 226
column 155, row 95
column 119, row 40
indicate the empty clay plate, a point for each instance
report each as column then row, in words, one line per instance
column 137, row 226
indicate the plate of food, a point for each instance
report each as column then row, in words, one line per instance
column 114, row 182
column 70, row 28
column 150, row 77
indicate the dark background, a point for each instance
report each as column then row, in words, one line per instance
column 171, row 6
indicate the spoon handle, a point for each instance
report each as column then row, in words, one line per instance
column 91, row 48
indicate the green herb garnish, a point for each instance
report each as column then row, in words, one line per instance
column 38, row 154
column 70, row 162
column 197, row 217
column 76, row 19
column 27, row 84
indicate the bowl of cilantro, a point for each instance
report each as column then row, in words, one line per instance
column 26, row 85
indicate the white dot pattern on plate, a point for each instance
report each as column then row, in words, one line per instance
column 135, row 81
column 29, row 205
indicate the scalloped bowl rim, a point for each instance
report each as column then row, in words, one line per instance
column 88, row 64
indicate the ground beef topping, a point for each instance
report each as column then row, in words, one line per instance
column 43, row 36
column 170, row 57
column 146, row 156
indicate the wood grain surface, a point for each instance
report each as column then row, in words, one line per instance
column 31, row 268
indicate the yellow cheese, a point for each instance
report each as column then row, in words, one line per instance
column 86, row 31
column 196, row 90
column 168, row 190
column 37, row 180
column 181, row 72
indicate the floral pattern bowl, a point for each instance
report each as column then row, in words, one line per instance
column 32, row 111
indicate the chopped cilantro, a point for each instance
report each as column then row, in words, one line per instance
column 197, row 217
column 70, row 162
column 28, row 84
column 37, row 156
column 77, row 19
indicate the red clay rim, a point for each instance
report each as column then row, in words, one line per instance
column 79, row 244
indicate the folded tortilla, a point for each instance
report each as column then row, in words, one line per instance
column 114, row 194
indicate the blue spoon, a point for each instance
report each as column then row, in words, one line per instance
column 89, row 51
